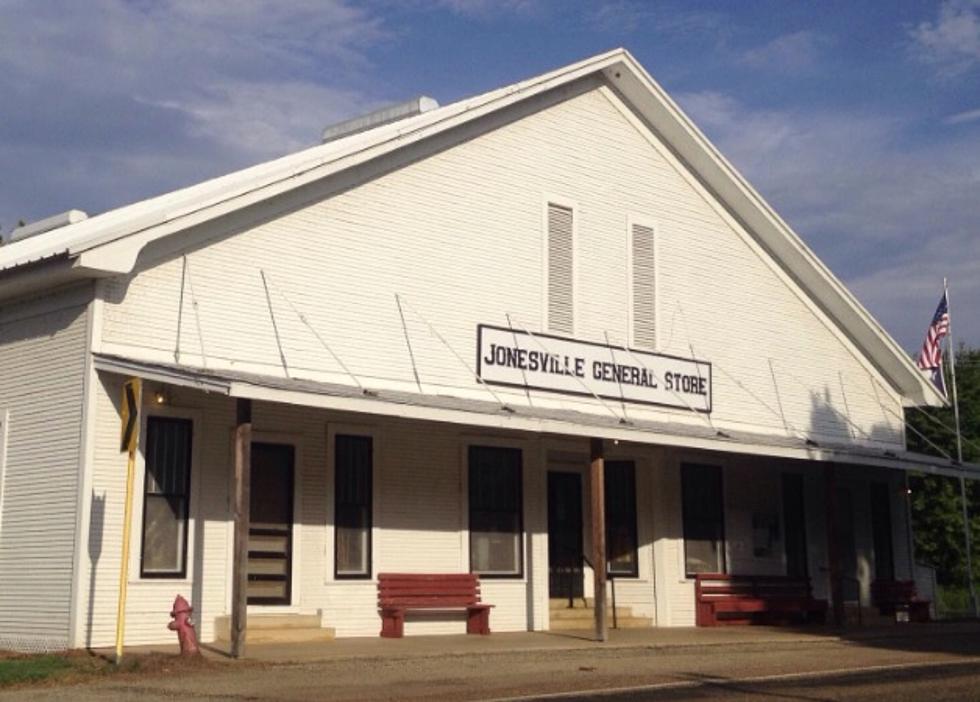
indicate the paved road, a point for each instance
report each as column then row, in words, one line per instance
column 943, row 666
column 932, row 681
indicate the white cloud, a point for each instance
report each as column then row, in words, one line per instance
column 664, row 20
column 489, row 8
column 787, row 53
column 963, row 117
column 889, row 214
column 951, row 42
column 138, row 97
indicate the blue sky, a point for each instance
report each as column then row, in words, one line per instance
column 858, row 121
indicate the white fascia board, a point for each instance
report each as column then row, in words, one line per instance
column 46, row 275
column 190, row 379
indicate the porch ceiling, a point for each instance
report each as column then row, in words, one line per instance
column 481, row 413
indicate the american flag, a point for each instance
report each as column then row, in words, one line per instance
column 931, row 356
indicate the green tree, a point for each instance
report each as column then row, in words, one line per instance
column 937, row 514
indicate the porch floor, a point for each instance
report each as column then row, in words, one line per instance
column 666, row 639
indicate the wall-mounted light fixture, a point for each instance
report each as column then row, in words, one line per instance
column 161, row 397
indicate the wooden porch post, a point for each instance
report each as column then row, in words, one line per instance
column 597, row 490
column 243, row 474
column 833, row 545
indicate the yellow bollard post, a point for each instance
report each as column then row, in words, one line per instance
column 132, row 400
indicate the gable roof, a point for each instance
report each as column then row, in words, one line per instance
column 109, row 244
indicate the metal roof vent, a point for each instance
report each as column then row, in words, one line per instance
column 45, row 225
column 386, row 115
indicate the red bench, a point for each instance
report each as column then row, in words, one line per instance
column 755, row 599
column 891, row 596
column 399, row 593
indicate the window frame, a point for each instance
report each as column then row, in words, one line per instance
column 520, row 534
column 183, row 573
column 564, row 202
column 722, row 537
column 368, row 573
column 633, row 523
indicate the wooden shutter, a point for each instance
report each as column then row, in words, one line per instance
column 560, row 269
column 644, row 287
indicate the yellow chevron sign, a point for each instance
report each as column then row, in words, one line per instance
column 131, row 400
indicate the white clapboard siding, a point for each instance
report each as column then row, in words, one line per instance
column 675, row 593
column 561, row 270
column 752, row 488
column 639, row 593
column 460, row 235
column 643, row 287
column 42, row 357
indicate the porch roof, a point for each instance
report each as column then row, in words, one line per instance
column 540, row 420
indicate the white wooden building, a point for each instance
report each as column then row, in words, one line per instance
column 432, row 321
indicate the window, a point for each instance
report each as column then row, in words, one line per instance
column 620, row 483
column 794, row 517
column 643, row 283
column 496, row 529
column 353, row 466
column 560, row 269
column 704, row 532
column 166, row 497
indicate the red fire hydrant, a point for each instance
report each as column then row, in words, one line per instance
column 184, row 627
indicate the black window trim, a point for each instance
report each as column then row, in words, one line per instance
column 369, row 573
column 182, row 573
column 723, row 537
column 519, row 575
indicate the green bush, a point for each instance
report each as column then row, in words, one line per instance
column 953, row 601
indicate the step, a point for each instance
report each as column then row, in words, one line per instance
column 869, row 617
column 279, row 636
column 583, row 613
column 276, row 628
column 577, row 603
column 562, row 603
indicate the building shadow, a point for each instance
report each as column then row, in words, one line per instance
column 95, row 531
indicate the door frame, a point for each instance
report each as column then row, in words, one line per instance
column 295, row 592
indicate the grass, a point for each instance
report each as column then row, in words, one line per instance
column 73, row 667
column 32, row 669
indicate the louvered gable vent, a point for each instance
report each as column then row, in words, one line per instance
column 560, row 266
column 644, row 287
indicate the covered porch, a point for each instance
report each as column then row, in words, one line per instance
column 637, row 487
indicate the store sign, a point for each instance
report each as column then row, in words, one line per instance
column 556, row 364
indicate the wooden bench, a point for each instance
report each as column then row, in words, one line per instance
column 891, row 596
column 755, row 599
column 399, row 593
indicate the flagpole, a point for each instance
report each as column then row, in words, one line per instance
column 967, row 537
